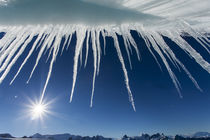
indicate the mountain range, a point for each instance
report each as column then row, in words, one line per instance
column 66, row 136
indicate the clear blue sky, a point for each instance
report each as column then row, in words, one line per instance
column 159, row 108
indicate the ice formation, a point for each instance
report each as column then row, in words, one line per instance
column 157, row 19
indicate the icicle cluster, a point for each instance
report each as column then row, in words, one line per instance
column 49, row 37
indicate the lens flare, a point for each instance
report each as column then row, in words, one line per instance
column 38, row 111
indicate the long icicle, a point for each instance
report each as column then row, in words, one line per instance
column 95, row 59
column 124, row 70
column 80, row 38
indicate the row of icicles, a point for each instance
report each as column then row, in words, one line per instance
column 49, row 37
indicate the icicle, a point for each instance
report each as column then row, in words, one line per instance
column 67, row 38
column 129, row 39
column 142, row 34
column 29, row 54
column 197, row 36
column 87, row 47
column 124, row 70
column 128, row 53
column 44, row 46
column 17, row 55
column 98, row 47
column 80, row 38
column 8, row 38
column 190, row 51
column 59, row 28
column 65, row 43
column 56, row 47
column 80, row 54
column 69, row 42
column 12, row 48
column 170, row 53
column 172, row 75
column 49, row 38
column 95, row 59
column 104, row 38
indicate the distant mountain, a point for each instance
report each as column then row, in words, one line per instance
column 66, row 136
column 6, row 135
column 197, row 135
column 5, row 138
column 37, row 135
column 201, row 135
column 52, row 137
column 157, row 136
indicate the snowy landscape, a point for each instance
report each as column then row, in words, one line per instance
column 66, row 136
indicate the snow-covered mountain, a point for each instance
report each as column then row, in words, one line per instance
column 52, row 137
column 6, row 135
column 157, row 136
column 66, row 136
column 201, row 135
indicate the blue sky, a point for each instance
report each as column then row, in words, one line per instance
column 159, row 107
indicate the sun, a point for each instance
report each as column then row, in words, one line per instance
column 38, row 110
